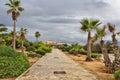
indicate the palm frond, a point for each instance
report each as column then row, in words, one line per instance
column 10, row 11
column 111, row 27
column 20, row 9
column 37, row 34
column 3, row 29
column 16, row 3
column 17, row 13
column 101, row 32
column 84, row 23
column 11, row 1
column 89, row 24
column 10, row 5
column 22, row 33
column 118, row 33
column 2, row 25
column 95, row 38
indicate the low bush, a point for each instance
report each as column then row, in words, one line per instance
column 41, row 52
column 117, row 75
column 64, row 47
column 82, row 51
column 30, row 48
column 95, row 55
column 37, row 44
column 44, row 49
column 12, row 63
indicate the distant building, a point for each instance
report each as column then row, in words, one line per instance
column 52, row 42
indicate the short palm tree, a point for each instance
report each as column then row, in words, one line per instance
column 37, row 35
column 88, row 25
column 22, row 33
column 100, row 33
column 115, row 46
column 15, row 10
column 2, row 29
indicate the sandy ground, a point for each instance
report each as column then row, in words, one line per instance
column 97, row 66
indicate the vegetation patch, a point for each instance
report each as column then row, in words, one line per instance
column 95, row 55
column 117, row 75
column 41, row 48
column 12, row 63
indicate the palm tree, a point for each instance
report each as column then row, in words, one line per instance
column 2, row 29
column 22, row 33
column 15, row 10
column 88, row 25
column 100, row 33
column 37, row 35
column 115, row 46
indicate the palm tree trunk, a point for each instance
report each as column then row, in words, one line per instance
column 14, row 35
column 116, row 62
column 22, row 47
column 107, row 60
column 89, row 42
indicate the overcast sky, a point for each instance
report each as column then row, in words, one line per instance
column 60, row 19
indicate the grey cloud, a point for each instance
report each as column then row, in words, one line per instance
column 58, row 19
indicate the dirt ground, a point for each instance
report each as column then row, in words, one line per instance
column 97, row 66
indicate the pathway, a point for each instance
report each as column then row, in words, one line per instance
column 57, row 66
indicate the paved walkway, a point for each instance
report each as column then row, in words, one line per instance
column 52, row 65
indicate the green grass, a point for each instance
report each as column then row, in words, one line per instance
column 12, row 63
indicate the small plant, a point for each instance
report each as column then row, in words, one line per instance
column 41, row 52
column 82, row 51
column 43, row 49
column 95, row 55
column 30, row 48
column 117, row 75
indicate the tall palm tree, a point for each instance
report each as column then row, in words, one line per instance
column 37, row 35
column 115, row 46
column 100, row 33
column 22, row 33
column 15, row 10
column 88, row 25
column 2, row 29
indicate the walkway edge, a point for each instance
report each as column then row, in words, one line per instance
column 27, row 70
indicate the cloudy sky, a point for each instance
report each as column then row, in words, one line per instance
column 59, row 19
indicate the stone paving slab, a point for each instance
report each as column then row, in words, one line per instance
column 44, row 69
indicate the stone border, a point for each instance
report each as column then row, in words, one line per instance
column 22, row 74
column 28, row 68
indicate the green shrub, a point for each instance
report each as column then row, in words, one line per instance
column 64, row 47
column 37, row 44
column 41, row 52
column 95, row 55
column 12, row 63
column 30, row 48
column 47, row 49
column 44, row 49
column 82, row 51
column 7, row 51
column 117, row 75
